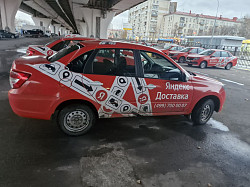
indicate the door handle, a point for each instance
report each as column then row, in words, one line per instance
column 96, row 83
column 150, row 86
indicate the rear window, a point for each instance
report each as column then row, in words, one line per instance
column 64, row 52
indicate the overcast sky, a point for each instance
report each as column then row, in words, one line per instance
column 227, row 8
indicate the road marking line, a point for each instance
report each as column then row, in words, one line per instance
column 232, row 82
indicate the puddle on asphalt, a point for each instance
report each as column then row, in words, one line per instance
column 217, row 125
column 19, row 50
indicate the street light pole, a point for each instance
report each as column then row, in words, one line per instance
column 214, row 24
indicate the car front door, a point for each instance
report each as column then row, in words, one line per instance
column 164, row 85
column 214, row 58
column 113, row 74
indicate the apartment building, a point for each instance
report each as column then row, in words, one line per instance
column 147, row 18
column 179, row 24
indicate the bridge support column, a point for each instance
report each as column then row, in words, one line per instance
column 43, row 22
column 8, row 10
column 93, row 21
column 57, row 27
column 52, row 28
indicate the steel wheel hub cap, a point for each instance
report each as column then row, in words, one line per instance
column 76, row 121
column 205, row 113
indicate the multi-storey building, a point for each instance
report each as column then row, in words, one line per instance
column 183, row 24
column 147, row 18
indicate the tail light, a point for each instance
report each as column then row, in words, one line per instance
column 17, row 79
column 29, row 52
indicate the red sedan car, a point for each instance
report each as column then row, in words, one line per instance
column 212, row 57
column 55, row 46
column 80, row 84
column 172, row 48
column 180, row 56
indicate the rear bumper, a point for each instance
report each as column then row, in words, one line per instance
column 29, row 106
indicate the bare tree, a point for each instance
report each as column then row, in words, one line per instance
column 244, row 29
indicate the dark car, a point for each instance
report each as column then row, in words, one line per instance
column 34, row 33
column 7, row 34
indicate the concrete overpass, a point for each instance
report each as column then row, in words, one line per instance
column 87, row 17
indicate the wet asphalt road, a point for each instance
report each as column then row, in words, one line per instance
column 158, row 151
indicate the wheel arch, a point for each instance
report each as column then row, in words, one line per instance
column 70, row 102
column 214, row 98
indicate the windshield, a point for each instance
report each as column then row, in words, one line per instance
column 174, row 48
column 64, row 52
column 168, row 47
column 186, row 49
column 206, row 52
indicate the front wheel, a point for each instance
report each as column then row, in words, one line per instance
column 75, row 120
column 203, row 64
column 182, row 59
column 202, row 112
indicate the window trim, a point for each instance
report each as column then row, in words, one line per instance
column 150, row 60
column 88, row 69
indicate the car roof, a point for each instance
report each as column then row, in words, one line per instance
column 217, row 50
column 78, row 38
column 116, row 44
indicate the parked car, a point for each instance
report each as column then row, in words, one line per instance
column 33, row 33
column 7, row 34
column 55, row 46
column 212, row 57
column 92, row 79
column 170, row 48
column 180, row 56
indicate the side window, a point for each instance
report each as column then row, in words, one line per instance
column 117, row 62
column 193, row 51
column 216, row 54
column 58, row 46
column 157, row 67
column 200, row 50
column 224, row 54
column 77, row 65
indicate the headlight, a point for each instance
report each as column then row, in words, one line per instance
column 197, row 58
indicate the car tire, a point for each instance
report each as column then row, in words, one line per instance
column 228, row 66
column 182, row 59
column 76, row 120
column 203, row 64
column 202, row 112
column 190, row 65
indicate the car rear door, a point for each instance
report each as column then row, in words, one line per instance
column 113, row 75
column 163, row 86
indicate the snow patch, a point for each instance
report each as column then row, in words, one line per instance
column 217, row 125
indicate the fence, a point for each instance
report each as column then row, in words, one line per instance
column 243, row 54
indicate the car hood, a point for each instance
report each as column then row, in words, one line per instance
column 201, row 79
column 176, row 52
column 195, row 55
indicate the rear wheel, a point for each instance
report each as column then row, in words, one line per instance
column 202, row 112
column 203, row 64
column 182, row 59
column 75, row 120
column 228, row 66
